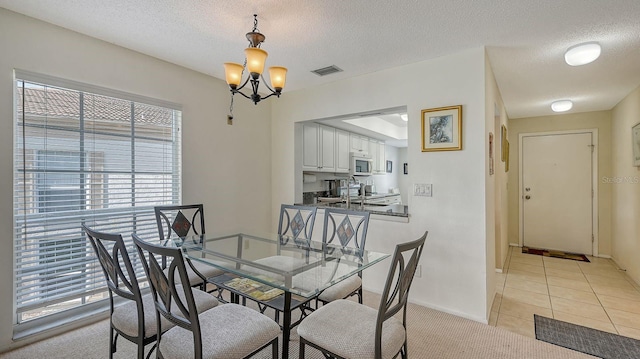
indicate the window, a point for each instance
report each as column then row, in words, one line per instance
column 83, row 155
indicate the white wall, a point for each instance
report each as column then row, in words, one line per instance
column 403, row 180
column 225, row 167
column 496, row 246
column 389, row 180
column 625, row 189
column 454, row 263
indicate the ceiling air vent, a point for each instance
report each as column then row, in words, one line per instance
column 327, row 70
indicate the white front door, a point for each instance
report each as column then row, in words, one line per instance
column 557, row 202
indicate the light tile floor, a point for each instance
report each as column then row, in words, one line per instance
column 596, row 294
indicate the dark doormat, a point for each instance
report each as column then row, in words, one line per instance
column 586, row 340
column 556, row 254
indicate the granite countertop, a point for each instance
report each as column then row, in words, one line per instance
column 397, row 210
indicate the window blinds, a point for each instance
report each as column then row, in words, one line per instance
column 84, row 157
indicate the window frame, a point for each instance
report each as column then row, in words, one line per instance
column 91, row 311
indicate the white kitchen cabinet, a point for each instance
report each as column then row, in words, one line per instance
column 382, row 157
column 310, row 147
column 377, row 151
column 327, row 149
column 342, row 151
column 358, row 143
column 318, row 148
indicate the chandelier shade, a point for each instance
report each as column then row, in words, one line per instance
column 255, row 59
column 233, row 73
column 278, row 76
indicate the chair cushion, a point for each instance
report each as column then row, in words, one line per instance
column 228, row 331
column 125, row 316
column 348, row 329
column 205, row 269
column 341, row 289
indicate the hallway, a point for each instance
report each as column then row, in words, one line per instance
column 596, row 294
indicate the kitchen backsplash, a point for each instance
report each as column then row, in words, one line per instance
column 320, row 183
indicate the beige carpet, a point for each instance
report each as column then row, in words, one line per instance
column 432, row 334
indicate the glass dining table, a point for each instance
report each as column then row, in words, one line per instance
column 280, row 272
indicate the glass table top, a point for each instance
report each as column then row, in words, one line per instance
column 299, row 266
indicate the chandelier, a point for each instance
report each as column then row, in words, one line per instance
column 254, row 63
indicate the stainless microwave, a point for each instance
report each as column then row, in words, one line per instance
column 361, row 164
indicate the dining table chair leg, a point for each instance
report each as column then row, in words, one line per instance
column 301, row 351
column 286, row 325
column 274, row 349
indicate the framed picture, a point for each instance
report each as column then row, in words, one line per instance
column 503, row 143
column 635, row 137
column 506, row 160
column 442, row 129
column 490, row 153
column 389, row 166
column 406, row 168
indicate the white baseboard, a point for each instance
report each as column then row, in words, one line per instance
column 438, row 308
column 514, row 245
column 603, row 256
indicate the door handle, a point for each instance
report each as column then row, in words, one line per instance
column 527, row 197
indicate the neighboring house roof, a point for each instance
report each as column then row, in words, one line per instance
column 53, row 102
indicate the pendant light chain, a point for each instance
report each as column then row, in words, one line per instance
column 230, row 116
column 255, row 23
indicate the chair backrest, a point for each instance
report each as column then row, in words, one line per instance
column 181, row 220
column 345, row 228
column 297, row 221
column 396, row 290
column 165, row 289
column 116, row 265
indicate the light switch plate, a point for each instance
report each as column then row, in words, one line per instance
column 422, row 189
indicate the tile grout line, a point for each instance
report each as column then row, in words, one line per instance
column 546, row 280
column 598, row 298
column 506, row 273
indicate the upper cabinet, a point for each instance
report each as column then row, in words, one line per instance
column 377, row 152
column 318, row 148
column 328, row 149
column 358, row 143
column 342, row 151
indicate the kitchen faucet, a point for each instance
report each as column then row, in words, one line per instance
column 353, row 178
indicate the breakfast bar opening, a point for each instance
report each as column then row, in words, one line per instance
column 342, row 162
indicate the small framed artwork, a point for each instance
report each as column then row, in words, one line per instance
column 635, row 137
column 389, row 166
column 506, row 160
column 406, row 168
column 503, row 143
column 442, row 129
column 490, row 153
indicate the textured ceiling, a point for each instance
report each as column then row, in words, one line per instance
column 525, row 39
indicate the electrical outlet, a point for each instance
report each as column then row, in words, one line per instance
column 419, row 271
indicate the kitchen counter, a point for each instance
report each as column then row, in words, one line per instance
column 370, row 199
column 397, row 210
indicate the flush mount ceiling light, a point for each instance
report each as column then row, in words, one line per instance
column 254, row 63
column 561, row 105
column 582, row 54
